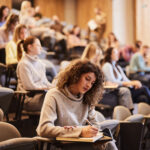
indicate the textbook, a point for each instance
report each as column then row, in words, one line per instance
column 81, row 139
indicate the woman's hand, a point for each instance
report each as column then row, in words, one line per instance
column 89, row 131
column 137, row 84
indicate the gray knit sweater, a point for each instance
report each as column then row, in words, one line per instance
column 61, row 109
column 31, row 74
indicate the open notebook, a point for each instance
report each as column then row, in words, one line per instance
column 81, row 139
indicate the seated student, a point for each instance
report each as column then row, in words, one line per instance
column 4, row 12
column 27, row 18
column 11, row 48
column 94, row 54
column 67, row 107
column 111, row 41
column 125, row 55
column 74, row 39
column 12, row 56
column 137, row 62
column 31, row 73
column 138, row 67
column 138, row 44
column 114, row 73
column 6, row 32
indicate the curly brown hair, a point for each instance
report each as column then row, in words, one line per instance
column 72, row 74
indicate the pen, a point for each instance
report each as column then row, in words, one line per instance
column 88, row 122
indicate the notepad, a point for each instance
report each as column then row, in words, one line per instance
column 81, row 139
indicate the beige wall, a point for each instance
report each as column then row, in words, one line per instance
column 6, row 2
column 123, row 20
column 51, row 7
column 85, row 11
column 70, row 11
column 143, row 21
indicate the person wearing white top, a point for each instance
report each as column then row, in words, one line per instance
column 114, row 73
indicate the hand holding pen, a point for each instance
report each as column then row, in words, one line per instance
column 89, row 123
column 89, row 131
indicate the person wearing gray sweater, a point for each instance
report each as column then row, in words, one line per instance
column 31, row 73
column 67, row 107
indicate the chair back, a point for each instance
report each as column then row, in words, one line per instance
column 1, row 115
column 121, row 113
column 19, row 144
column 8, row 131
column 130, row 136
column 6, row 95
column 135, row 118
column 143, row 108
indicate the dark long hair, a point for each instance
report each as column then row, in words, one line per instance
column 107, row 58
column 1, row 12
column 72, row 74
column 107, row 55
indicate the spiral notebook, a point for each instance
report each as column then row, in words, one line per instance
column 81, row 139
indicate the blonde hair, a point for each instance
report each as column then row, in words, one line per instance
column 90, row 51
column 25, row 5
column 16, row 35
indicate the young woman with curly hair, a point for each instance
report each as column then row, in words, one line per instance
column 67, row 107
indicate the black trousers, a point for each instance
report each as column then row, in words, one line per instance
column 141, row 76
column 141, row 95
